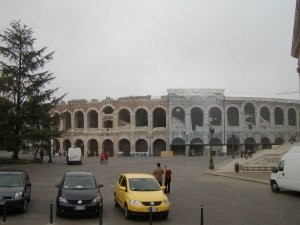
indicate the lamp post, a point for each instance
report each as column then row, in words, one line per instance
column 211, row 161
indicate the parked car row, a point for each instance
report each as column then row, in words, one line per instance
column 79, row 193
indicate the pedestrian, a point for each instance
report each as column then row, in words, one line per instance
column 168, row 174
column 106, row 158
column 101, row 158
column 42, row 155
column 158, row 173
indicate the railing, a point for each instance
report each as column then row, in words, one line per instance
column 258, row 168
column 134, row 154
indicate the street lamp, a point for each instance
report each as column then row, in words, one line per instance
column 211, row 161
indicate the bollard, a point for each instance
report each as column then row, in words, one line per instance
column 100, row 211
column 150, row 215
column 4, row 211
column 201, row 219
column 51, row 212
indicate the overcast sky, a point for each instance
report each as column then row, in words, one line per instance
column 119, row 48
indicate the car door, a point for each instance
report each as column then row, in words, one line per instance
column 27, row 185
column 120, row 191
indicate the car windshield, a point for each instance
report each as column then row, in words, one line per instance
column 11, row 180
column 79, row 182
column 143, row 184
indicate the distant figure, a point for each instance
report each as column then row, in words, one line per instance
column 101, row 158
column 106, row 158
column 158, row 173
column 168, row 174
column 42, row 155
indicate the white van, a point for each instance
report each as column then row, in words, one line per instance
column 287, row 174
column 74, row 156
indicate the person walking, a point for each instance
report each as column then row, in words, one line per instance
column 101, row 158
column 106, row 158
column 158, row 173
column 168, row 174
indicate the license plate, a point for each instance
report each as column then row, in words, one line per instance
column 153, row 209
column 80, row 207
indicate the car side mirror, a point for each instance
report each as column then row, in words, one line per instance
column 122, row 188
column 100, row 185
column 274, row 170
column 163, row 188
column 57, row 185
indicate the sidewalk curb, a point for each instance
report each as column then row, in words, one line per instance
column 238, row 177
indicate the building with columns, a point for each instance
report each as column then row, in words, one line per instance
column 180, row 122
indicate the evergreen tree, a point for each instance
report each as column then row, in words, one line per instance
column 26, row 102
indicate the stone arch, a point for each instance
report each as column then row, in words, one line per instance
column 123, row 117
column 292, row 117
column 178, row 117
column 79, row 144
column 108, row 146
column 66, row 117
column 141, row 145
column 92, row 147
column 278, row 116
column 279, row 141
column 265, row 115
column 233, row 116
column 196, row 118
column 158, row 146
column 159, row 117
column 78, row 119
column 141, row 118
column 92, row 119
column 56, row 146
column 178, row 146
column 196, row 147
column 266, row 143
column 232, row 145
column 66, row 145
column 249, row 112
column 124, row 146
column 215, row 116
column 250, row 144
column 215, row 141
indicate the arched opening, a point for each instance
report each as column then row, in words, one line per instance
column 93, row 147
column 279, row 141
column 196, row 118
column 279, row 116
column 250, row 144
column 159, row 118
column 292, row 117
column 178, row 146
column 92, row 119
column 56, row 146
column 196, row 147
column 141, row 146
column 158, row 146
column 233, row 117
column 124, row 146
column 141, row 118
column 108, row 110
column 266, row 143
column 123, row 117
column 108, row 147
column 79, row 144
column 232, row 145
column 66, row 117
column 78, row 120
column 178, row 117
column 66, row 146
column 215, row 116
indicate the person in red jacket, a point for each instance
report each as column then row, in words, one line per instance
column 106, row 158
column 101, row 158
column 168, row 174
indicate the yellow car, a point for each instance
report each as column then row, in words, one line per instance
column 135, row 193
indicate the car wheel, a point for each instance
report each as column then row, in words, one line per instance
column 24, row 206
column 126, row 212
column 115, row 201
column 274, row 187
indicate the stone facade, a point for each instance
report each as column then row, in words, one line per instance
column 182, row 122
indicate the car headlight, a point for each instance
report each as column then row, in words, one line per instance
column 62, row 200
column 135, row 202
column 166, row 201
column 97, row 200
column 18, row 195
